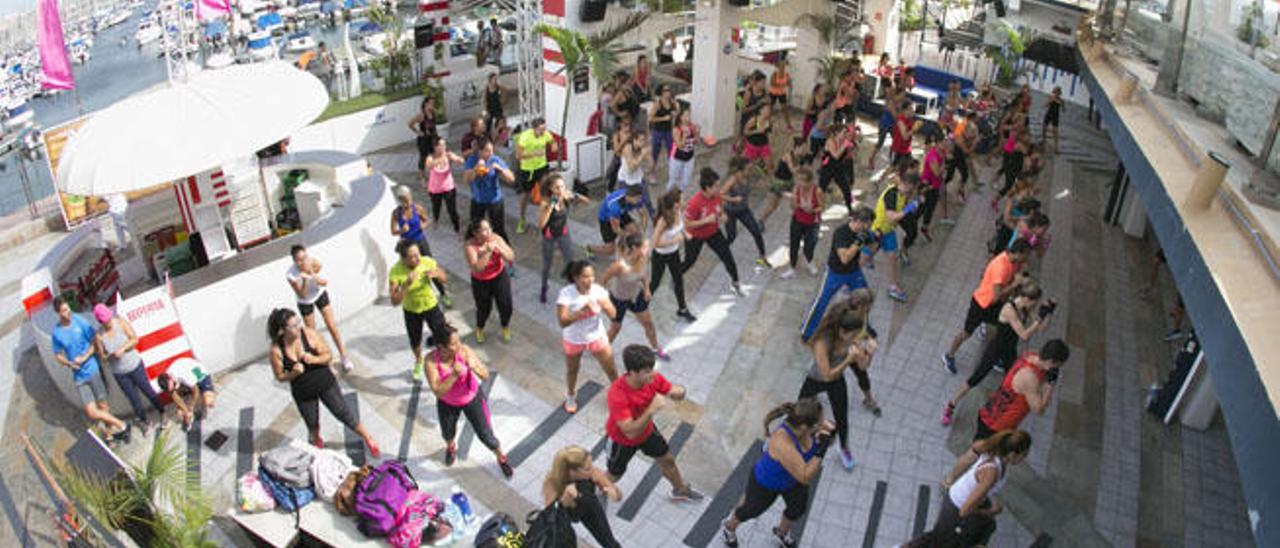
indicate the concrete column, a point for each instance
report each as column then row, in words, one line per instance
column 804, row 71
column 882, row 16
column 557, row 83
column 715, row 68
column 1213, row 171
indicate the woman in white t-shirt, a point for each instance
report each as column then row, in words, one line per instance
column 581, row 309
column 312, row 293
column 968, row 514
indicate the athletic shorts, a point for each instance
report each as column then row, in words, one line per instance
column 637, row 305
column 654, row 446
column 983, row 432
column 606, row 228
column 322, row 302
column 889, row 241
column 977, row 315
column 92, row 390
column 778, row 99
column 780, row 186
column 754, row 152
column 575, row 349
column 526, row 179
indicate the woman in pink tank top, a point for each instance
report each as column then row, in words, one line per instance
column 454, row 374
column 440, row 187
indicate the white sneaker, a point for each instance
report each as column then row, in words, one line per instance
column 347, row 365
column 813, row 269
column 788, row 273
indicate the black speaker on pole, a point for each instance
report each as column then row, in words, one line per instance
column 592, row 11
column 1000, row 8
column 423, row 36
column 739, row 3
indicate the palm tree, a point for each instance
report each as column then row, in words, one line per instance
column 599, row 51
column 162, row 502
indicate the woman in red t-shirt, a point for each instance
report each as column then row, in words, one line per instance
column 487, row 255
column 807, row 203
column 702, row 218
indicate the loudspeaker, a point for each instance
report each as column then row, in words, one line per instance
column 592, row 11
column 739, row 3
column 423, row 35
column 999, row 8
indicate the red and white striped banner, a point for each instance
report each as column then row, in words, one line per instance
column 552, row 63
column 199, row 189
column 161, row 340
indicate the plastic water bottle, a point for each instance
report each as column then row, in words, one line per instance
column 464, row 506
column 455, row 518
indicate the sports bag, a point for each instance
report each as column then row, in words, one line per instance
column 345, row 499
column 328, row 470
column 381, row 496
column 419, row 509
column 290, row 499
column 550, row 527
column 252, row 496
column 500, row 531
column 288, row 465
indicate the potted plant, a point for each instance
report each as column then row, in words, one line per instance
column 159, row 503
column 1007, row 56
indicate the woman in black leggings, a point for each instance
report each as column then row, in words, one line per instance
column 573, row 482
column 488, row 256
column 454, row 374
column 835, row 163
column 702, row 222
column 839, row 343
column 300, row 356
column 668, row 232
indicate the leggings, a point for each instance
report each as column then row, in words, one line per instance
column 549, row 245
column 496, row 215
column 837, row 392
column 952, row 530
column 588, row 510
column 748, row 219
column 759, row 498
column 806, row 233
column 958, row 162
column 413, row 325
column 488, row 292
column 931, row 196
column 660, row 263
column 660, row 143
column 450, row 201
column 826, row 177
column 332, row 398
column 136, row 381
column 679, row 173
column 1011, row 168
column 611, row 174
column 477, row 412
column 910, row 224
column 719, row 245
column 995, row 354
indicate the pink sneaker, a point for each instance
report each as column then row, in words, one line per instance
column 947, row 413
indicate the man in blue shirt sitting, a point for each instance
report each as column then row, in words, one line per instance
column 615, row 215
column 75, row 345
column 483, row 169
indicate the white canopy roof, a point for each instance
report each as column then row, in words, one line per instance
column 180, row 129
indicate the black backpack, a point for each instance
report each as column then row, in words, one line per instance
column 550, row 527
column 500, row 531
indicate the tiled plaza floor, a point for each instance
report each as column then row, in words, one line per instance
column 741, row 357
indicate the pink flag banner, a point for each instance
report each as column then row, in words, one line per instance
column 212, row 9
column 55, row 67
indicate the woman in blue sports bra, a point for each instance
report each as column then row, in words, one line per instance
column 792, row 457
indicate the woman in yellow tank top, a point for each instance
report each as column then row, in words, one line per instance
column 779, row 89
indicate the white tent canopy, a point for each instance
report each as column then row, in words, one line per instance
column 180, row 129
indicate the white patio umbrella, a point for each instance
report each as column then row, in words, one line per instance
column 182, row 128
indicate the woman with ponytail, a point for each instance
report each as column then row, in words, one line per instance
column 791, row 459
column 968, row 515
column 573, row 482
column 841, row 342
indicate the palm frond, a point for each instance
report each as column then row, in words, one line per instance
column 616, row 30
column 567, row 40
column 110, row 502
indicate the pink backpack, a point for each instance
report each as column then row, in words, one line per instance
column 419, row 509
